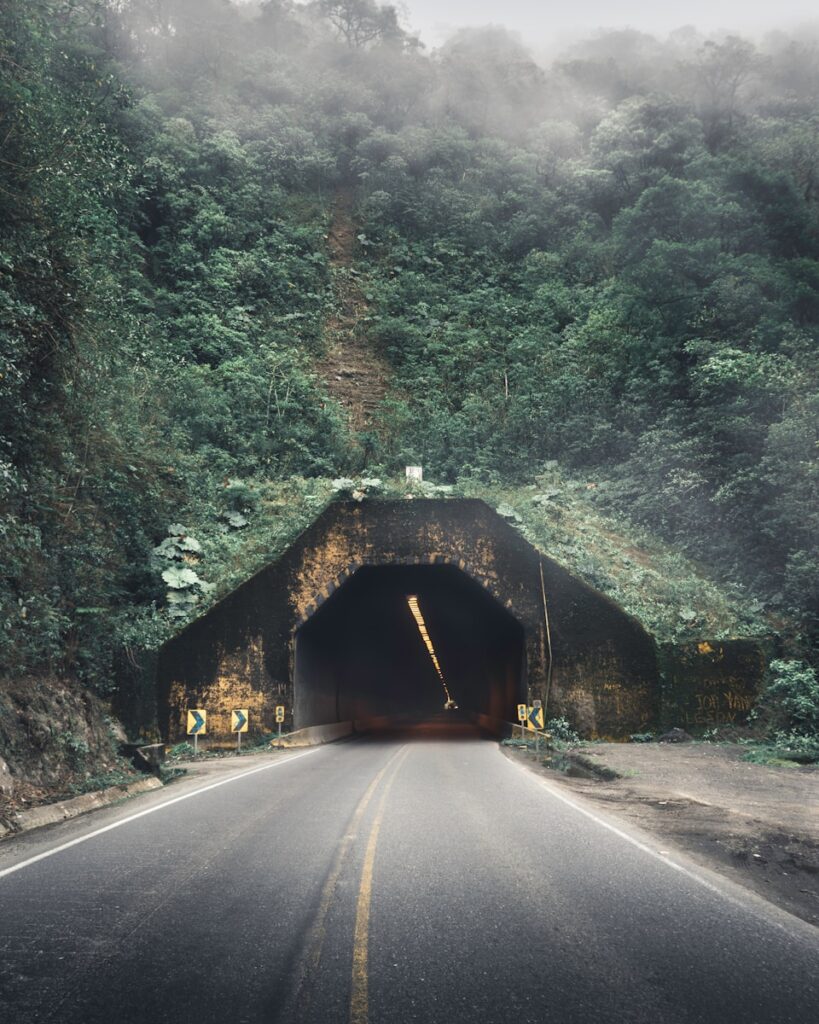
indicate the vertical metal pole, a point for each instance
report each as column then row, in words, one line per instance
column 548, row 641
column 238, row 743
column 195, row 744
column 280, row 736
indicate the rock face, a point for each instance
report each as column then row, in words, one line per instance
column 6, row 781
column 54, row 737
column 675, row 736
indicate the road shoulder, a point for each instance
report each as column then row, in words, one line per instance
column 756, row 825
column 51, row 836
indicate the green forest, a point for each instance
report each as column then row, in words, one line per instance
column 607, row 265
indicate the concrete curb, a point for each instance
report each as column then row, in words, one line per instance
column 48, row 814
column 316, row 734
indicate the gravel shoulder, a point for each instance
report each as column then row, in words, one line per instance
column 758, row 825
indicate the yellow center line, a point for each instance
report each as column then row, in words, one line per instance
column 359, row 997
column 315, row 938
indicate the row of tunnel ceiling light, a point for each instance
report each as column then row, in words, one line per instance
column 412, row 601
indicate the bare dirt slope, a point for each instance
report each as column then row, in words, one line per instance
column 759, row 825
column 56, row 740
column 356, row 376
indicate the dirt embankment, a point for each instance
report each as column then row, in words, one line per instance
column 56, row 740
column 756, row 824
column 356, row 375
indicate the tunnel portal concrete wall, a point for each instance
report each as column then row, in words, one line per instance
column 708, row 685
column 605, row 671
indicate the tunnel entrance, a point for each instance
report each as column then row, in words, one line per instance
column 362, row 654
column 325, row 630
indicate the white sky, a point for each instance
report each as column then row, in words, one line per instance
column 544, row 22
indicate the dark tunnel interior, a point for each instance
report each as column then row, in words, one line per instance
column 361, row 655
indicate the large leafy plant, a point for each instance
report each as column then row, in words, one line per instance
column 175, row 559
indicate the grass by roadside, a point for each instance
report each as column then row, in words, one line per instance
column 184, row 752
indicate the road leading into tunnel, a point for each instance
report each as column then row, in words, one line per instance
column 408, row 878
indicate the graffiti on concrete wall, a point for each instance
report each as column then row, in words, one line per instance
column 711, row 684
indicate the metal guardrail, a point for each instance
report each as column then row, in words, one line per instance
column 509, row 730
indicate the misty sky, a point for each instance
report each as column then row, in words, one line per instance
column 539, row 20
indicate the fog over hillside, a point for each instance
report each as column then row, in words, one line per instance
column 541, row 24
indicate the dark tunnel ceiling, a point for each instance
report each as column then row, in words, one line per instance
column 361, row 654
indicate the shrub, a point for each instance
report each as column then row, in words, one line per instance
column 791, row 699
column 183, row 749
column 562, row 731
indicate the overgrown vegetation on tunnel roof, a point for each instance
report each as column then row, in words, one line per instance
column 673, row 597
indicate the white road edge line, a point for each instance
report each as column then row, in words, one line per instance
column 149, row 810
column 663, row 859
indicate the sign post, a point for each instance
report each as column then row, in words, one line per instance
column 537, row 709
column 279, row 720
column 238, row 724
column 197, row 726
column 523, row 714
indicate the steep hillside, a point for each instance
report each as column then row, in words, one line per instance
column 245, row 255
column 56, row 740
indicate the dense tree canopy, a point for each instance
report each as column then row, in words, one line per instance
column 611, row 263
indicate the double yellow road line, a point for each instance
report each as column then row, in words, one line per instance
column 359, row 997
column 306, row 979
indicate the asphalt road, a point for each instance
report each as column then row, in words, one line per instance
column 401, row 879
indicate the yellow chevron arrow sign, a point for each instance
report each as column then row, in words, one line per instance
column 534, row 718
column 239, row 720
